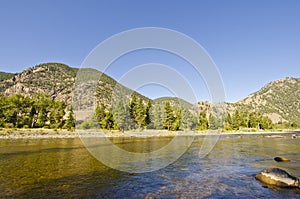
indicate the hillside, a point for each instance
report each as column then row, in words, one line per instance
column 5, row 76
column 174, row 101
column 57, row 80
column 280, row 100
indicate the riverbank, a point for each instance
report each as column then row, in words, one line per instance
column 49, row 133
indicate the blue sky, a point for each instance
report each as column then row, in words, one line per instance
column 252, row 42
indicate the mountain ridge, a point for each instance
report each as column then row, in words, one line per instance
column 279, row 99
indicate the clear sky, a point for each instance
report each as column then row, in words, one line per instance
column 252, row 42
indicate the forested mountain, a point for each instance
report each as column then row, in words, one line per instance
column 115, row 103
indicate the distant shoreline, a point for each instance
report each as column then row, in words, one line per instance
column 49, row 133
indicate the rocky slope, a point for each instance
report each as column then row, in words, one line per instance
column 280, row 100
column 57, row 80
column 52, row 78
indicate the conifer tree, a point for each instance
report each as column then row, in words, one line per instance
column 70, row 121
column 169, row 116
column 203, row 122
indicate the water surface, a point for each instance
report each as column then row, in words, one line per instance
column 63, row 168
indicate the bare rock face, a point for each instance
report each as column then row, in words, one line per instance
column 277, row 177
column 58, row 81
column 55, row 79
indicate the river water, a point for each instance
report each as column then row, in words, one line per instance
column 63, row 168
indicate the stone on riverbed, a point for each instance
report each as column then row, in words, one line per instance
column 277, row 177
column 281, row 159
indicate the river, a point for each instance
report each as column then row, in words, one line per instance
column 64, row 168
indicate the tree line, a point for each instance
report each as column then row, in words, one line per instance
column 41, row 111
column 139, row 114
column 243, row 119
column 38, row 111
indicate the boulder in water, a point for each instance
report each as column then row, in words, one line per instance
column 277, row 177
column 281, row 159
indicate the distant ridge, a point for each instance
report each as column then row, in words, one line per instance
column 175, row 101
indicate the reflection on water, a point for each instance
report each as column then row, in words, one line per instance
column 59, row 168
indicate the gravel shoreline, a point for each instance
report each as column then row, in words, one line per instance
column 48, row 133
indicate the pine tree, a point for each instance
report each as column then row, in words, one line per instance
column 132, row 108
column 177, row 120
column 266, row 123
column 189, row 121
column 122, row 116
column 70, row 121
column 140, row 114
column 203, row 122
column 56, row 115
column 100, row 115
column 157, row 117
column 108, row 122
column 41, row 118
column 169, row 116
column 214, row 122
column 147, row 112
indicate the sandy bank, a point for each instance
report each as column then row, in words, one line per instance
column 48, row 133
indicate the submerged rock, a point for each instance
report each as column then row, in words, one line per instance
column 277, row 177
column 281, row 159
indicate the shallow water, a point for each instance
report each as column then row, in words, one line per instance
column 63, row 168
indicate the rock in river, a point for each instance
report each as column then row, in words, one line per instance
column 281, row 159
column 277, row 177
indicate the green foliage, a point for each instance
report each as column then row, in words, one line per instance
column 119, row 113
column 188, row 120
column 237, row 120
column 157, row 116
column 106, row 119
column 169, row 116
column 109, row 122
column 4, row 76
column 214, row 122
column 147, row 112
column 203, row 121
column 174, row 101
column 38, row 111
column 139, row 112
column 280, row 97
column 70, row 121
column 288, row 125
column 172, row 119
column 88, row 124
column 100, row 115
column 243, row 119
column 177, row 120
